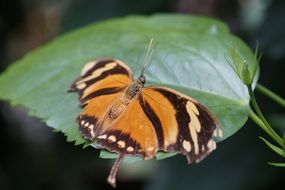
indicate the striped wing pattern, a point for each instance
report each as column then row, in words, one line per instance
column 183, row 125
column 155, row 119
column 100, row 83
column 101, row 77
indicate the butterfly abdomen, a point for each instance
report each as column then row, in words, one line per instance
column 118, row 107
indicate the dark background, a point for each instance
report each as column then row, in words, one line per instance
column 34, row 157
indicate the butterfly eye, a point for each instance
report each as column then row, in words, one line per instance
column 142, row 79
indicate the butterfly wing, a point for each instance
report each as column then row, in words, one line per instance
column 101, row 82
column 131, row 133
column 159, row 119
column 101, row 77
column 156, row 119
column 183, row 125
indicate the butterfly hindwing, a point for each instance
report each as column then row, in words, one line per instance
column 132, row 133
column 91, row 118
column 188, row 127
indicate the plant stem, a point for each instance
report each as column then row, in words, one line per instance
column 268, row 129
column 270, row 94
column 258, row 121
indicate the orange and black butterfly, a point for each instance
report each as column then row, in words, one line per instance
column 123, row 116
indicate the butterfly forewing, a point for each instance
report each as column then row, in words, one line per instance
column 105, row 76
column 100, row 82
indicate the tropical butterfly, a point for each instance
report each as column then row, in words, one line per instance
column 123, row 116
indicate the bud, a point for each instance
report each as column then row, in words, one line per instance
column 242, row 67
column 246, row 75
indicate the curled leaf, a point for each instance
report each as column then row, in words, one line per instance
column 277, row 164
column 276, row 149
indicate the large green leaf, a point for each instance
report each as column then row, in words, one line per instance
column 191, row 57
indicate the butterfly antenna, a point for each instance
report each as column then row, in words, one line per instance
column 150, row 50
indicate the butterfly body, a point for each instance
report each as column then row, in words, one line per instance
column 120, row 105
column 123, row 116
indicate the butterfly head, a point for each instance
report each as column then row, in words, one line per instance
column 141, row 79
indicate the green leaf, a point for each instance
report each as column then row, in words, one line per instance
column 128, row 159
column 284, row 143
column 277, row 164
column 257, row 58
column 163, row 155
column 190, row 57
column 273, row 147
column 110, row 155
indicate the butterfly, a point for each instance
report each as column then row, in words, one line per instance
column 123, row 116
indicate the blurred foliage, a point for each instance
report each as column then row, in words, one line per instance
column 33, row 157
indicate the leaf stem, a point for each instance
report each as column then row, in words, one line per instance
column 270, row 94
column 259, row 123
column 267, row 128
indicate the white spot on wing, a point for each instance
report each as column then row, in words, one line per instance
column 211, row 144
column 91, row 127
column 195, row 139
column 186, row 145
column 215, row 133
column 193, row 107
column 214, row 145
column 220, row 133
column 121, row 144
column 112, row 138
column 87, row 67
column 102, row 136
column 130, row 149
column 80, row 86
column 193, row 112
column 194, row 124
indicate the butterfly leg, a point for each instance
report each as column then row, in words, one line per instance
column 112, row 176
